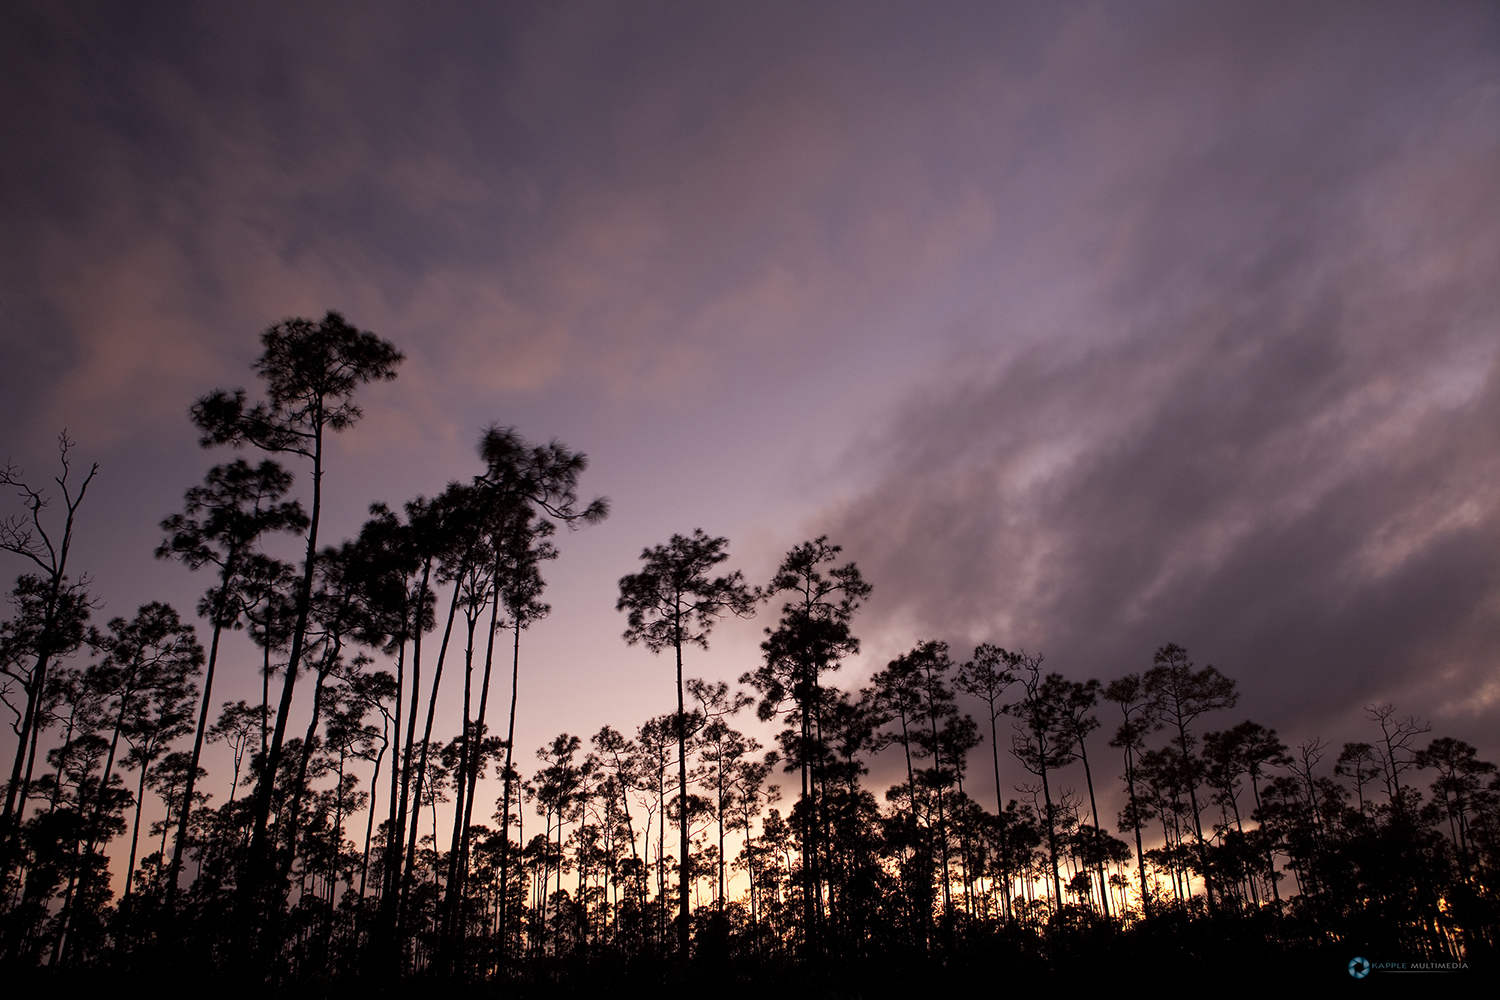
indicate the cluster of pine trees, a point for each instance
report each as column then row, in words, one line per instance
column 328, row 855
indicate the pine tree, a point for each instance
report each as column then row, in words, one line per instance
column 670, row 603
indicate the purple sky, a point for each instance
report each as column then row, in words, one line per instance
column 1083, row 327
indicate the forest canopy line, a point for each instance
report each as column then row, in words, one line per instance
column 666, row 844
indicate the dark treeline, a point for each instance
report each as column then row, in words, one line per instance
column 321, row 853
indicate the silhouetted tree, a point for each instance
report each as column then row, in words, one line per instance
column 311, row 369
column 525, row 491
column 1397, row 751
column 811, row 638
column 164, row 717
column 1358, row 761
column 1043, row 740
column 154, row 651
column 672, row 602
column 1460, row 774
column 896, row 693
column 1181, row 694
column 221, row 522
column 841, row 889
column 49, row 620
column 1129, row 692
column 987, row 677
column 1082, row 698
column 934, row 711
column 722, row 750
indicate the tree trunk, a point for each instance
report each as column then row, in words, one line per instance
column 135, row 833
column 262, row 855
column 1094, row 805
column 1051, row 836
column 684, row 863
column 397, row 834
column 208, row 687
column 364, row 868
column 510, row 743
column 437, row 679
column 1135, row 819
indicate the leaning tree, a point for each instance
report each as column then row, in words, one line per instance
column 311, row 369
column 220, row 524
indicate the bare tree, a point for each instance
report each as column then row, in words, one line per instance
column 50, row 628
column 1397, row 750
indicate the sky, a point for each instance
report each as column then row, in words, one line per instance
column 1082, row 327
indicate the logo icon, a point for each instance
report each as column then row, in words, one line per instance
column 1359, row 968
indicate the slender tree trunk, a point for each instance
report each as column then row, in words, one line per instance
column 476, row 759
column 963, row 851
column 510, row 744
column 392, row 836
column 1094, row 805
column 63, row 946
column 437, row 679
column 1000, row 810
column 1192, row 783
column 750, row 873
column 338, row 850
column 135, row 833
column 265, row 699
column 1135, row 819
column 69, row 729
column 460, row 787
column 465, row 805
column 1239, row 825
column 161, row 848
column 17, row 789
column 720, row 906
column 262, row 854
column 809, row 846
column 398, row 832
column 823, row 855
column 684, row 862
column 911, row 812
column 1051, row 835
column 1270, row 854
column 942, row 827
column 180, row 844
column 299, row 783
column 25, row 791
column 364, row 867
column 661, row 850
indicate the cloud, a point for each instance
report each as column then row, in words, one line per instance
column 1217, row 282
column 558, row 207
column 1272, row 438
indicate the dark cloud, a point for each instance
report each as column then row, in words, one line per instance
column 1278, row 440
column 1218, row 281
